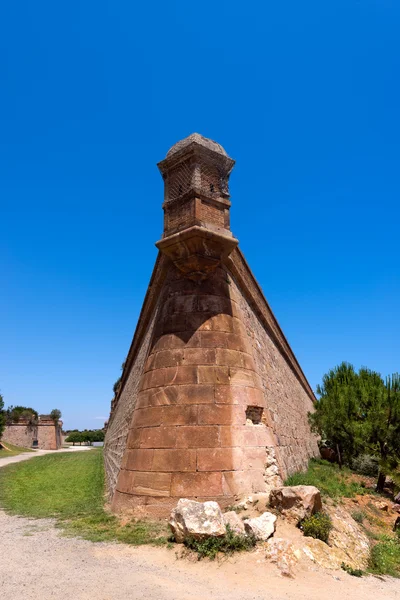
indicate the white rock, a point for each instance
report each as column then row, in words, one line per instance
column 199, row 520
column 261, row 527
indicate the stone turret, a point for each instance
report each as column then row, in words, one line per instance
column 212, row 402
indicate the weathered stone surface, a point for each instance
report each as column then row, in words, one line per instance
column 396, row 508
column 296, row 502
column 283, row 554
column 261, row 527
column 347, row 543
column 397, row 498
column 347, row 539
column 232, row 519
column 197, row 519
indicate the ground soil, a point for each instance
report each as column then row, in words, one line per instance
column 38, row 562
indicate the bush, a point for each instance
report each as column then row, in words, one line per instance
column 56, row 415
column 358, row 516
column 365, row 464
column 317, row 526
column 228, row 544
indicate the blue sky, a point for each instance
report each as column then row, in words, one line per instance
column 305, row 96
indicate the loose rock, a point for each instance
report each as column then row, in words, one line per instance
column 199, row 520
column 261, row 527
column 234, row 521
column 297, row 502
column 282, row 553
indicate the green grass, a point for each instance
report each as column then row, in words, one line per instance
column 385, row 557
column 329, row 479
column 12, row 450
column 70, row 488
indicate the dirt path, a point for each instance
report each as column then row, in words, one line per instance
column 37, row 562
column 9, row 460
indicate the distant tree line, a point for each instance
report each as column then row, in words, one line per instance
column 88, row 436
column 358, row 417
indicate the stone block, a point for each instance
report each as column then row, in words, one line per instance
column 213, row 374
column 180, row 415
column 199, row 356
column 213, row 339
column 158, row 437
column 138, row 460
column 221, row 414
column 219, row 459
column 150, row 484
column 148, row 417
column 196, row 484
column 168, row 358
column 180, row 375
column 197, row 437
column 174, row 460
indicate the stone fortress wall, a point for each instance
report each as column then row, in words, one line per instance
column 213, row 403
column 46, row 433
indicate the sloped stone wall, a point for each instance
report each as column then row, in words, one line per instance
column 118, row 427
column 285, row 397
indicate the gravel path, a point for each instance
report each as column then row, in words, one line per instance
column 36, row 562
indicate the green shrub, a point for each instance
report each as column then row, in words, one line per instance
column 317, row 526
column 358, row 515
column 385, row 557
column 351, row 571
column 365, row 464
column 228, row 544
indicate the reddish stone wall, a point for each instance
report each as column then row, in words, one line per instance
column 189, row 434
column 287, row 401
column 20, row 435
column 48, row 435
column 117, row 431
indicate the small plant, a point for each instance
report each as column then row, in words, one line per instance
column 351, row 571
column 228, row 544
column 236, row 509
column 358, row 516
column 317, row 526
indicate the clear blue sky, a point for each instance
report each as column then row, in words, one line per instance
column 304, row 95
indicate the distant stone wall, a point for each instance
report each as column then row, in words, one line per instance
column 48, row 435
column 118, row 427
column 20, row 434
column 286, row 399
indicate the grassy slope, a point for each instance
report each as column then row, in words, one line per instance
column 341, row 484
column 70, row 488
column 12, row 450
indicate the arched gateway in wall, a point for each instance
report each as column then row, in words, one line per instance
column 212, row 403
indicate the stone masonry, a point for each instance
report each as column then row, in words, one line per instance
column 212, row 402
column 44, row 434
